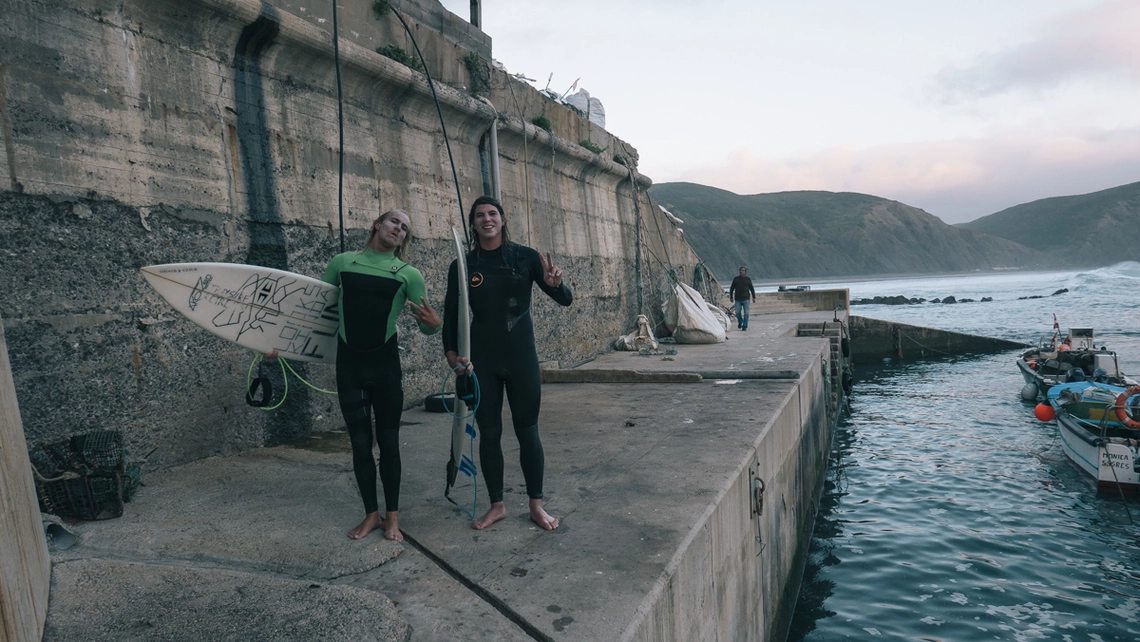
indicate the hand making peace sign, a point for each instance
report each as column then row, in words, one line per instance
column 551, row 274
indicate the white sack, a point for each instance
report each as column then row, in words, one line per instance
column 591, row 107
column 719, row 315
column 688, row 314
column 640, row 339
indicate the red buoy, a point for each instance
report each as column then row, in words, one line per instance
column 1044, row 412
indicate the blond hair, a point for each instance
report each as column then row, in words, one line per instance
column 399, row 251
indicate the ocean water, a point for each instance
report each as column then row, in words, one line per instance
column 950, row 513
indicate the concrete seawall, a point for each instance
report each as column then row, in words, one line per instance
column 686, row 510
column 873, row 339
column 159, row 131
column 156, row 131
column 736, row 575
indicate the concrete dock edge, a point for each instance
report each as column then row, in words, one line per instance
column 736, row 574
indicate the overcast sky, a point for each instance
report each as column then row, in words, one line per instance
column 960, row 108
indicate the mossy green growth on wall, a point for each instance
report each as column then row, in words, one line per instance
column 590, row 145
column 399, row 55
column 541, row 121
column 478, row 72
column 381, row 8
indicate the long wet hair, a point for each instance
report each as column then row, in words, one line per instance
column 486, row 200
column 399, row 251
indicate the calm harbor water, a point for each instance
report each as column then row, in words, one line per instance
column 950, row 513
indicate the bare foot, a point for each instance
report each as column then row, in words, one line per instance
column 392, row 526
column 538, row 516
column 496, row 513
column 371, row 522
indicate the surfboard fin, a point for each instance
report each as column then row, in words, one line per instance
column 452, row 471
column 466, row 465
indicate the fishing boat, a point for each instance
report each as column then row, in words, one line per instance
column 1099, row 425
column 1072, row 358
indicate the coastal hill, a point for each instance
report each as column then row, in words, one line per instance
column 1089, row 230
column 828, row 234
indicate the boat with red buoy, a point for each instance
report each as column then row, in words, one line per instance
column 1099, row 426
column 1074, row 357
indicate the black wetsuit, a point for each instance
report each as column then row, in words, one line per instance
column 503, row 353
column 374, row 287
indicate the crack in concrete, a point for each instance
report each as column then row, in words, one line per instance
column 490, row 598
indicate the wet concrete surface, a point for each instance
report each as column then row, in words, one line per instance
column 254, row 546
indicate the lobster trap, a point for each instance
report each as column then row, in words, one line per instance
column 84, row 476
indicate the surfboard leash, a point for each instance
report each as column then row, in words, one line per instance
column 467, row 391
column 261, row 383
column 467, row 467
column 468, row 394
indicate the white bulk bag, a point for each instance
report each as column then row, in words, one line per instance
column 688, row 315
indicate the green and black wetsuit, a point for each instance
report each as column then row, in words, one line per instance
column 503, row 353
column 374, row 286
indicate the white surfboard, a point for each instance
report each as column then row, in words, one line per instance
column 259, row 308
column 461, row 426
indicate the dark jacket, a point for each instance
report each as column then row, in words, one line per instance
column 742, row 289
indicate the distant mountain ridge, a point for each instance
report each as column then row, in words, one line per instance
column 814, row 234
column 1088, row 230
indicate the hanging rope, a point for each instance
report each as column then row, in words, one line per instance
column 644, row 249
column 924, row 347
column 526, row 161
column 1102, row 443
column 638, row 242
column 661, row 237
column 442, row 123
column 340, row 126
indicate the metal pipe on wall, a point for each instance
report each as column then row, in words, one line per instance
column 496, row 186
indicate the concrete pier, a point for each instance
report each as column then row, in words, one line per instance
column 686, row 508
column 874, row 339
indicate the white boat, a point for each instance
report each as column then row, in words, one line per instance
column 1099, row 426
column 1074, row 358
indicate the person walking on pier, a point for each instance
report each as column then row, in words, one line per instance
column 374, row 286
column 503, row 356
column 740, row 291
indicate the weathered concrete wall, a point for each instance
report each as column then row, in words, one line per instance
column 443, row 37
column 25, row 568
column 836, row 300
column 737, row 577
column 873, row 339
column 144, row 132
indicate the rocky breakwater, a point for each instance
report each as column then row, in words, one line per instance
column 902, row 300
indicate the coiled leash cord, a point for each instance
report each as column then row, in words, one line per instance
column 261, row 383
column 466, row 390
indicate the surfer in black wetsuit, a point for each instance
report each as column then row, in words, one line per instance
column 500, row 274
column 374, row 286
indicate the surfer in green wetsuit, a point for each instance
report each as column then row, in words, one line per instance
column 374, row 286
column 500, row 274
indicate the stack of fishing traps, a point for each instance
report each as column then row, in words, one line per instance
column 84, row 476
